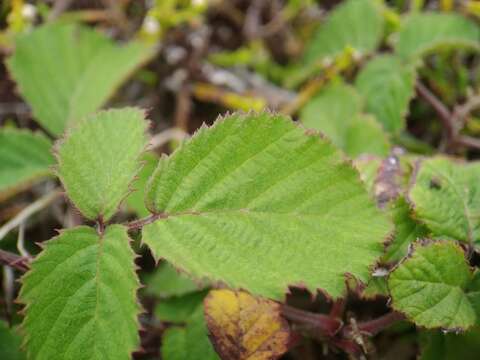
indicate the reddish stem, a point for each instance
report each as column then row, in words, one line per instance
column 326, row 325
column 13, row 260
column 373, row 327
column 138, row 224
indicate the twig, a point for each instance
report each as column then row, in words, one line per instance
column 58, row 8
column 13, row 260
column 454, row 121
column 166, row 136
column 8, row 290
column 461, row 112
column 468, row 141
column 21, row 241
column 442, row 111
column 183, row 107
column 29, row 211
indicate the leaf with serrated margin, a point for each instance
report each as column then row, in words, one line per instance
column 446, row 197
column 407, row 231
column 24, row 158
column 254, row 201
column 354, row 23
column 388, row 86
column 439, row 346
column 431, row 287
column 335, row 112
column 80, row 297
column 243, row 327
column 423, row 33
column 190, row 342
column 99, row 158
column 66, row 71
column 376, row 287
column 368, row 167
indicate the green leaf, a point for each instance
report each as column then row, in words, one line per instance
column 336, row 112
column 179, row 309
column 368, row 167
column 377, row 286
column 364, row 135
column 445, row 196
column 98, row 160
column 24, row 158
column 473, row 294
column 438, row 346
column 388, row 86
column 354, row 23
column 167, row 281
column 407, row 231
column 190, row 342
column 254, row 202
column 66, row 71
column 10, row 343
column 331, row 110
column 423, row 33
column 135, row 199
column 430, row 287
column 80, row 297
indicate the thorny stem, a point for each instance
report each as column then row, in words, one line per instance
column 13, row 260
column 373, row 327
column 333, row 329
column 324, row 324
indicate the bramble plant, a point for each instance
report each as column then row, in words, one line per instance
column 344, row 215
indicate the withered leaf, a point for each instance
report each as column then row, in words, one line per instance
column 243, row 327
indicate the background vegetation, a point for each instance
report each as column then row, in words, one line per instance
column 388, row 82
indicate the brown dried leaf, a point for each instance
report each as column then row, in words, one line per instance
column 243, row 327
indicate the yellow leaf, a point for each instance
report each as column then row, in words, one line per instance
column 243, row 327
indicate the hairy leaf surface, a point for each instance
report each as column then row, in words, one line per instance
column 24, row 158
column 407, row 231
column 355, row 23
column 430, row 287
column 446, row 197
column 387, row 85
column 254, row 201
column 66, row 71
column 244, row 327
column 80, row 297
column 336, row 112
column 423, row 33
column 99, row 158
